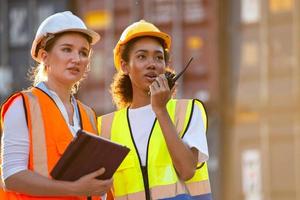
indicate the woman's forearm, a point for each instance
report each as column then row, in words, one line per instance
column 184, row 158
column 31, row 183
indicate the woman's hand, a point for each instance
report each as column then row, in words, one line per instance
column 89, row 185
column 160, row 93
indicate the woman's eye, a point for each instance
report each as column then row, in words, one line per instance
column 141, row 57
column 83, row 53
column 159, row 58
column 66, row 49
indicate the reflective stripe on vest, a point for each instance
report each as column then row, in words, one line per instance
column 193, row 185
column 36, row 125
column 180, row 115
column 180, row 112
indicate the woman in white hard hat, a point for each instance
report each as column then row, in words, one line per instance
column 40, row 122
column 166, row 136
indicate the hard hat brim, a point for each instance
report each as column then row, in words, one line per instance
column 161, row 35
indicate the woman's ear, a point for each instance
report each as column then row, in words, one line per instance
column 44, row 56
column 124, row 67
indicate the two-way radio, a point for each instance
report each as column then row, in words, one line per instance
column 172, row 78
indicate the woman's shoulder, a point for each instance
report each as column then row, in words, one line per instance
column 14, row 99
column 189, row 107
column 196, row 103
column 194, row 100
column 111, row 114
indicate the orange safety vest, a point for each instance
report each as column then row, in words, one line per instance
column 49, row 135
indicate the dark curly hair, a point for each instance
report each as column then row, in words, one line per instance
column 121, row 87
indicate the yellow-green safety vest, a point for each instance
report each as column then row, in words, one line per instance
column 129, row 183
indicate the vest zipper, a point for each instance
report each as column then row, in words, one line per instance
column 144, row 169
column 146, row 182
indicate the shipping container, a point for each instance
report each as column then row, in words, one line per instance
column 19, row 20
column 261, row 145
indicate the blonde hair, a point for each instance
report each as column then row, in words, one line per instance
column 39, row 74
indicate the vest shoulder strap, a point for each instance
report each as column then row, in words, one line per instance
column 90, row 114
column 37, row 132
column 180, row 115
column 105, row 124
column 184, row 111
column 203, row 111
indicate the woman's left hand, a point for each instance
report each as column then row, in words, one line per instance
column 160, row 93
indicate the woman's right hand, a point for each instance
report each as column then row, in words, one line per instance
column 89, row 185
column 160, row 93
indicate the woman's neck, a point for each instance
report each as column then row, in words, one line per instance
column 140, row 98
column 61, row 90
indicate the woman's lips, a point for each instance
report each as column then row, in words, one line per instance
column 151, row 77
column 73, row 69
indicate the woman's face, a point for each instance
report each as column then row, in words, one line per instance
column 67, row 61
column 146, row 62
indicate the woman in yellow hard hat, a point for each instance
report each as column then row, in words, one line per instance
column 39, row 123
column 166, row 136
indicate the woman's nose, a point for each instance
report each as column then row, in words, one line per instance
column 152, row 63
column 76, row 57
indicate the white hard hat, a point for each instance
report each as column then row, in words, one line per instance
column 58, row 23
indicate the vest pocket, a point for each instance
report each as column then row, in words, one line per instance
column 163, row 174
column 127, row 178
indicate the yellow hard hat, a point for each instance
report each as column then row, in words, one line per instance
column 138, row 29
